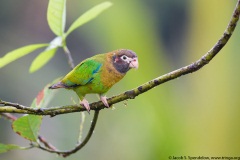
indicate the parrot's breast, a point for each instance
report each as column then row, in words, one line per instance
column 110, row 75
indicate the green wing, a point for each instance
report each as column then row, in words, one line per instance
column 83, row 73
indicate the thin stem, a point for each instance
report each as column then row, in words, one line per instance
column 46, row 143
column 87, row 138
column 8, row 116
column 80, row 145
column 81, row 127
column 69, row 56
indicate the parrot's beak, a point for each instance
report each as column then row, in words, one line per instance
column 134, row 63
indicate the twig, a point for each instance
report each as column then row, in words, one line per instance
column 8, row 116
column 46, row 143
column 80, row 145
column 81, row 127
column 16, row 105
column 85, row 141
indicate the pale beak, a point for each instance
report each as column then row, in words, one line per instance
column 134, row 63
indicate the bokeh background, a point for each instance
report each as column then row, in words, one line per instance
column 194, row 115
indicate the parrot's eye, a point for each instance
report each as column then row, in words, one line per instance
column 124, row 57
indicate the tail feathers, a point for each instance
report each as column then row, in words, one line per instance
column 57, row 85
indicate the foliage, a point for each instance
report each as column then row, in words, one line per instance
column 28, row 126
column 56, row 16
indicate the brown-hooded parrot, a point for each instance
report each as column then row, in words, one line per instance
column 98, row 74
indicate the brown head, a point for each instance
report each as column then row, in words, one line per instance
column 123, row 60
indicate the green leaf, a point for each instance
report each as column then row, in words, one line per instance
column 18, row 53
column 56, row 16
column 44, row 96
column 89, row 15
column 8, row 147
column 28, row 126
column 42, row 59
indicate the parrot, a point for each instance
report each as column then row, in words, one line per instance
column 97, row 74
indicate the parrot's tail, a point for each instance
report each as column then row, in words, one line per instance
column 57, row 85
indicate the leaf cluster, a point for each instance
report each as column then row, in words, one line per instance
column 28, row 126
column 56, row 17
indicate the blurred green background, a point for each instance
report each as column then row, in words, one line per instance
column 195, row 115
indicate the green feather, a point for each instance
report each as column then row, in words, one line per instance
column 83, row 73
column 86, row 77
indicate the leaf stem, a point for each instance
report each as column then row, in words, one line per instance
column 69, row 56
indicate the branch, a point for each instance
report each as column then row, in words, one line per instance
column 80, row 144
column 131, row 94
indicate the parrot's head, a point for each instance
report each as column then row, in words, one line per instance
column 123, row 60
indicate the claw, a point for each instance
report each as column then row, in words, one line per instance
column 85, row 103
column 104, row 100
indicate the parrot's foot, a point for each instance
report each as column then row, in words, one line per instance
column 104, row 100
column 85, row 103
